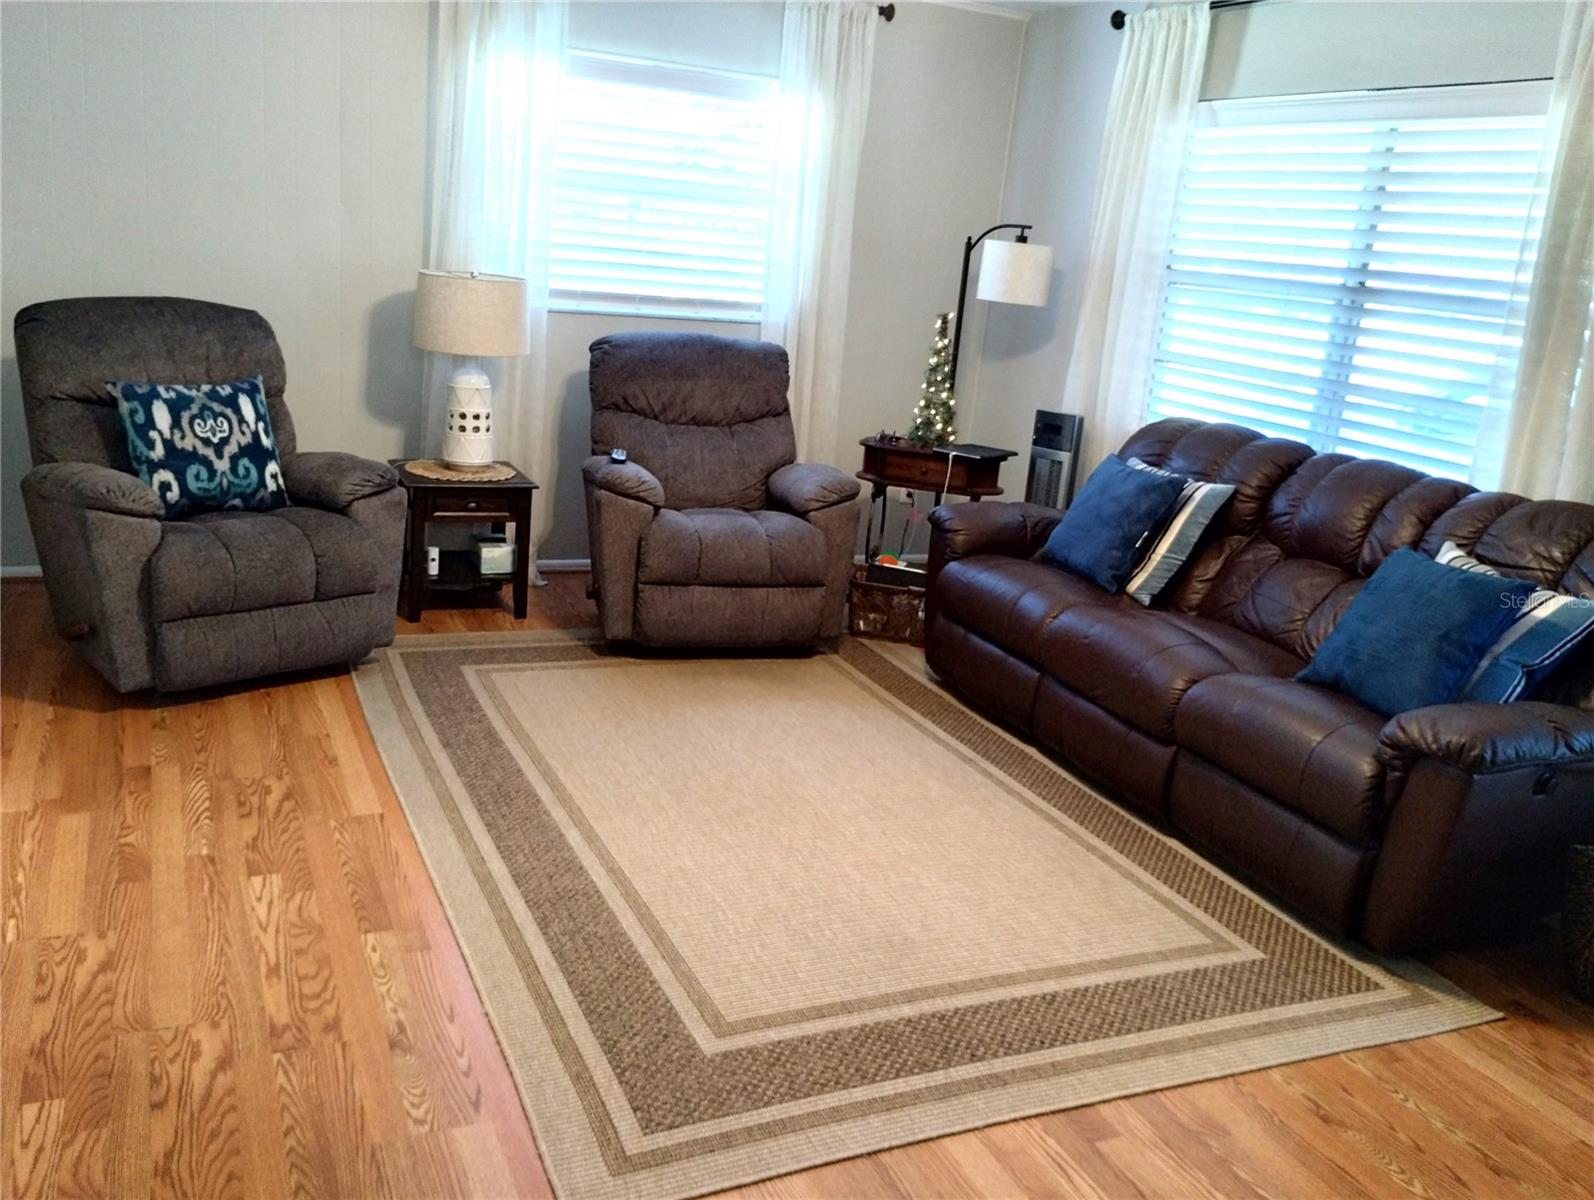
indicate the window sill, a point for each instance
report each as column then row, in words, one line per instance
column 649, row 314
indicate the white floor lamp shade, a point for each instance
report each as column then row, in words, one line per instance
column 470, row 316
column 1015, row 273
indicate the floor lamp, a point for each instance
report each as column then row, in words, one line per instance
column 1016, row 272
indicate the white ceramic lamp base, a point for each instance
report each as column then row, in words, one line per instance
column 468, row 435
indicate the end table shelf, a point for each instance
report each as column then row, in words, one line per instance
column 499, row 502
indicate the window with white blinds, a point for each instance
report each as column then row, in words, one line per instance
column 1341, row 268
column 662, row 189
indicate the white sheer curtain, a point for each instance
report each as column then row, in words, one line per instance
column 494, row 107
column 1149, row 114
column 827, row 58
column 1549, row 451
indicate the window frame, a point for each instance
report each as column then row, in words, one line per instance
column 604, row 66
column 1511, row 99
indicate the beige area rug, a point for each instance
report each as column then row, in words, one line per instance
column 734, row 917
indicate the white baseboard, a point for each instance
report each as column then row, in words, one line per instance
column 546, row 565
column 543, row 564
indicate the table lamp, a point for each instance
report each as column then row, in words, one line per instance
column 1016, row 272
column 470, row 316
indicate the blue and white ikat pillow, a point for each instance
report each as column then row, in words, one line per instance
column 202, row 447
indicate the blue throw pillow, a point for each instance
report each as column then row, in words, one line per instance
column 1551, row 626
column 202, row 446
column 1105, row 533
column 1198, row 504
column 1415, row 633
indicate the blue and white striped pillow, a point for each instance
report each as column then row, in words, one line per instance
column 1198, row 504
column 1551, row 624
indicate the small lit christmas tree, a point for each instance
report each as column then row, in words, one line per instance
column 936, row 410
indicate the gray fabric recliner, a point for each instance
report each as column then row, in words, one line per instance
column 710, row 534
column 220, row 596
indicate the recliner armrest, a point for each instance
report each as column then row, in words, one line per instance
column 90, row 485
column 628, row 479
column 1016, row 529
column 802, row 488
column 334, row 480
column 1484, row 738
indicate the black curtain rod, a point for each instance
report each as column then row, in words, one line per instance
column 1118, row 14
column 887, row 10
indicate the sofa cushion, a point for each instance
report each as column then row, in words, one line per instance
column 1138, row 664
column 229, row 562
column 729, row 547
column 204, row 651
column 1010, row 601
column 1310, row 749
column 1327, row 527
column 707, row 415
column 676, row 614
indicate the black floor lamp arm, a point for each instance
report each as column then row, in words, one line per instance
column 963, row 290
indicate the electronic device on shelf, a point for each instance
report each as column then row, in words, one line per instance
column 1053, row 458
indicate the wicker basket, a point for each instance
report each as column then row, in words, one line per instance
column 885, row 610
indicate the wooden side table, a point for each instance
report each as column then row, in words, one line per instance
column 958, row 470
column 500, row 501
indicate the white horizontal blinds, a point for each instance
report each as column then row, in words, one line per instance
column 662, row 189
column 1341, row 268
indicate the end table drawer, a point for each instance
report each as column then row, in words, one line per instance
column 483, row 507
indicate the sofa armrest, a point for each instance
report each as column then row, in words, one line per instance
column 990, row 527
column 616, row 525
column 90, row 485
column 96, row 529
column 628, row 479
column 334, row 480
column 1483, row 738
column 802, row 488
column 826, row 498
column 1484, row 800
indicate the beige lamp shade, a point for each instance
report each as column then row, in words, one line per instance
column 477, row 316
column 1015, row 273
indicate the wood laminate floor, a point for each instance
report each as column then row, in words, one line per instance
column 226, row 973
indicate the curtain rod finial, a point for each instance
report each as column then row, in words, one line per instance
column 1117, row 18
column 888, row 11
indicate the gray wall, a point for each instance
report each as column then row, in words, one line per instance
column 1298, row 47
column 1278, row 48
column 270, row 156
column 1069, row 58
column 142, row 152
column 273, row 156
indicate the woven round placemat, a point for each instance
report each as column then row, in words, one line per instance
column 432, row 468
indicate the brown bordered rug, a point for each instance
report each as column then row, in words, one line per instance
column 734, row 917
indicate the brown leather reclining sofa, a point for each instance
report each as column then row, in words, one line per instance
column 1438, row 825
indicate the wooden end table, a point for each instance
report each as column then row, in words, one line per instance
column 957, row 470
column 499, row 501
